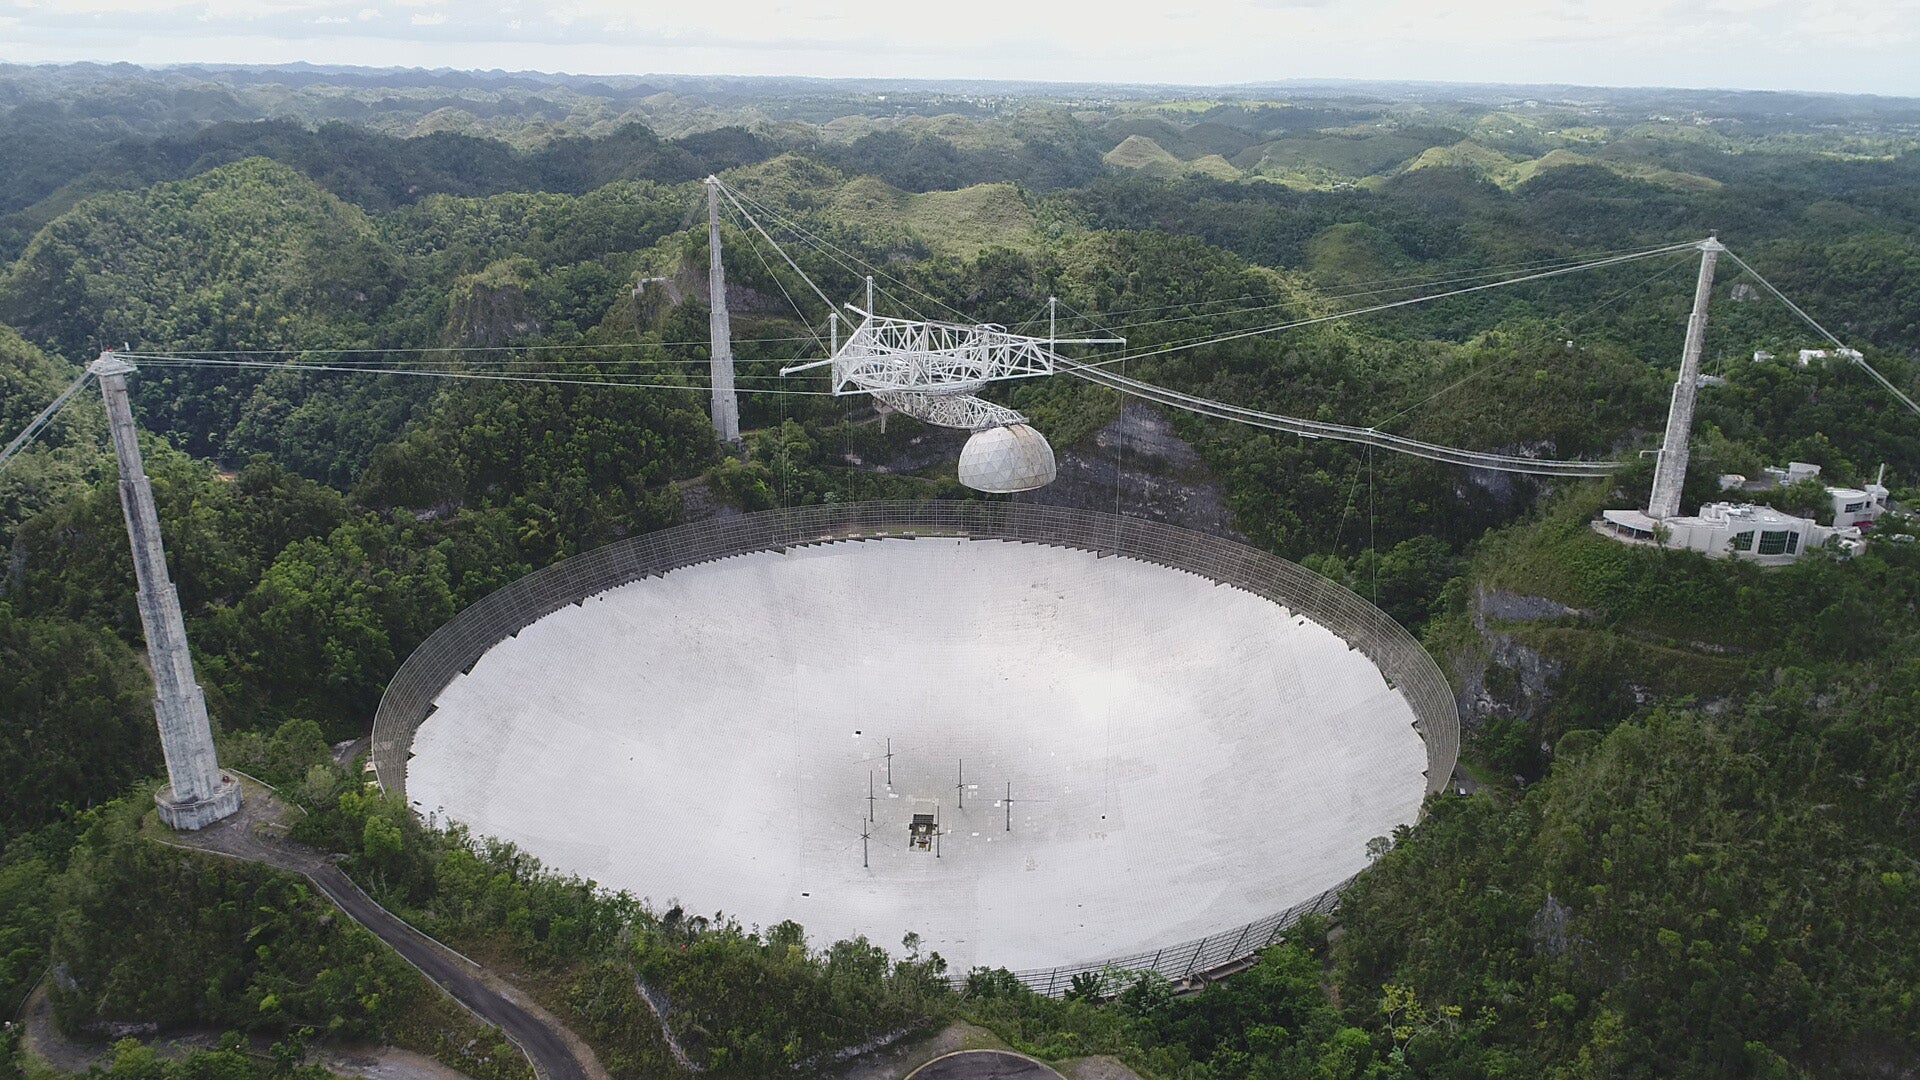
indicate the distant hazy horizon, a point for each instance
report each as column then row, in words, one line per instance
column 1827, row 46
column 1454, row 89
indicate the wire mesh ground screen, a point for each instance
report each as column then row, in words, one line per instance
column 1134, row 742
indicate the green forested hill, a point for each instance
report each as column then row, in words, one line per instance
column 1715, row 872
column 248, row 256
column 1692, row 851
column 86, row 155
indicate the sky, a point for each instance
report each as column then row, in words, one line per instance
column 1853, row 46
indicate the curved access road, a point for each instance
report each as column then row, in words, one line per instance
column 255, row 835
column 550, row 1054
column 983, row 1065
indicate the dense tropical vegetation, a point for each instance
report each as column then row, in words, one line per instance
column 1692, row 847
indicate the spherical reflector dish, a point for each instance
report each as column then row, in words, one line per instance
column 1004, row 459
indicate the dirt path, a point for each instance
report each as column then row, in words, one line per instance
column 258, row 834
column 44, row 1041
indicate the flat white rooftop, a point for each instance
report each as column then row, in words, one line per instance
column 1184, row 757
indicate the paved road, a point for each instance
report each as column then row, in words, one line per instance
column 983, row 1065
column 250, row 835
column 345, row 752
column 551, row 1055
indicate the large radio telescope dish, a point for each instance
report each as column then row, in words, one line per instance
column 1148, row 747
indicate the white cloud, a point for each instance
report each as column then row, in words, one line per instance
column 429, row 18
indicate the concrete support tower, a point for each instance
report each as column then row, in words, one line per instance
column 726, row 405
column 1671, row 470
column 198, row 794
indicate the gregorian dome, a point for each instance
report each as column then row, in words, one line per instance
column 1014, row 457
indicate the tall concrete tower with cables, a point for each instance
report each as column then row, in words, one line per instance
column 198, row 794
column 1670, row 473
column 726, row 404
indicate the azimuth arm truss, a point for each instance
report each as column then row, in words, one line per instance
column 931, row 370
column 950, row 410
column 889, row 354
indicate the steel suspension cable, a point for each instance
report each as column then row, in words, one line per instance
column 1219, row 339
column 827, row 245
column 778, row 284
column 1486, row 367
column 831, row 307
column 39, row 423
column 452, row 348
column 636, row 378
column 1318, row 429
column 1272, row 303
column 1855, row 355
column 180, row 361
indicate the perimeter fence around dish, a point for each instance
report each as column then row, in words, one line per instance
column 453, row 649
column 1202, row 957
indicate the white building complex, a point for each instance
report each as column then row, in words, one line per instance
column 1759, row 533
column 1729, row 529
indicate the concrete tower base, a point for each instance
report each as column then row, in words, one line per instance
column 199, row 813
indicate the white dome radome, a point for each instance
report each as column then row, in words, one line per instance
column 1004, row 459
